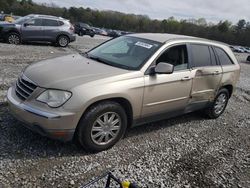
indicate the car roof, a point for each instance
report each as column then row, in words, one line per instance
column 45, row 16
column 164, row 37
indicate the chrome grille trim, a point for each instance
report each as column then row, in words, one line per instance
column 24, row 87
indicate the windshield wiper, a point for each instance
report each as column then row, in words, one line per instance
column 98, row 59
column 107, row 62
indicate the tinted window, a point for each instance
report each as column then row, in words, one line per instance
column 176, row 56
column 47, row 22
column 223, row 57
column 201, row 55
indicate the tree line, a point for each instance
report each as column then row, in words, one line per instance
column 224, row 31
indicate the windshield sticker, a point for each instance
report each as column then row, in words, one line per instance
column 144, row 45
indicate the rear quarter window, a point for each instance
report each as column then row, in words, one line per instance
column 60, row 23
column 223, row 57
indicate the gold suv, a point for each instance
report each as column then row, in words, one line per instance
column 135, row 79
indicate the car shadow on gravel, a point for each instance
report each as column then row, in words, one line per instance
column 17, row 142
column 158, row 125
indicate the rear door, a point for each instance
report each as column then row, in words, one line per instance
column 32, row 30
column 206, row 71
column 50, row 29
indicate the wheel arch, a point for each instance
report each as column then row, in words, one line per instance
column 7, row 32
column 230, row 89
column 120, row 100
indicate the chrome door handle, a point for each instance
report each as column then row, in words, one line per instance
column 186, row 78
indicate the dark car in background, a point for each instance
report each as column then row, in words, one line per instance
column 84, row 29
column 114, row 33
column 39, row 28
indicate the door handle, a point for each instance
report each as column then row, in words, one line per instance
column 186, row 78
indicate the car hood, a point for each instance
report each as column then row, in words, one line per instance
column 69, row 71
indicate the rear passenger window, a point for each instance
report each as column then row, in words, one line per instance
column 47, row 22
column 223, row 57
column 200, row 55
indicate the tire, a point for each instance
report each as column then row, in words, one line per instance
column 13, row 38
column 95, row 137
column 63, row 41
column 219, row 104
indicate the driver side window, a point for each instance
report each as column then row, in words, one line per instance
column 177, row 56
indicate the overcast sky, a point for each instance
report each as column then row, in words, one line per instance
column 212, row 10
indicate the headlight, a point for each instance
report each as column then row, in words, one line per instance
column 54, row 98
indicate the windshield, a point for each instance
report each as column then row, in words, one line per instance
column 125, row 52
column 21, row 20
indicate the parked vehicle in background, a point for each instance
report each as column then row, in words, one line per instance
column 103, row 32
column 130, row 80
column 84, row 29
column 237, row 49
column 114, row 33
column 7, row 18
column 40, row 28
column 97, row 30
column 247, row 49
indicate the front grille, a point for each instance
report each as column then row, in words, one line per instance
column 24, row 88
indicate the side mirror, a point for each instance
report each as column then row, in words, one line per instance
column 25, row 24
column 162, row 68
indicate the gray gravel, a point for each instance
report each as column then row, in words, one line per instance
column 187, row 151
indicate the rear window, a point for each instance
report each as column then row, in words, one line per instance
column 200, row 55
column 48, row 22
column 223, row 57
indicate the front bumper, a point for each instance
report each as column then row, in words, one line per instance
column 53, row 125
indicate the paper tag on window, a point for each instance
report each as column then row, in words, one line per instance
column 144, row 45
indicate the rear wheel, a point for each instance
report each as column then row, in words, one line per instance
column 63, row 41
column 13, row 38
column 219, row 104
column 102, row 126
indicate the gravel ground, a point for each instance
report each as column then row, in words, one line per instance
column 187, row 151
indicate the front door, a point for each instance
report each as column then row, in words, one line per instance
column 32, row 30
column 168, row 92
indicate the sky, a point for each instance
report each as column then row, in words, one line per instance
column 211, row 10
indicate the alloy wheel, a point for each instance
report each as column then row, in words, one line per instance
column 13, row 39
column 106, row 128
column 220, row 103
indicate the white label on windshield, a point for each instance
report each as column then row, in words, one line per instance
column 144, row 45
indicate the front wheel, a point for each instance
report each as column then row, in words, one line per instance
column 102, row 126
column 219, row 104
column 13, row 38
